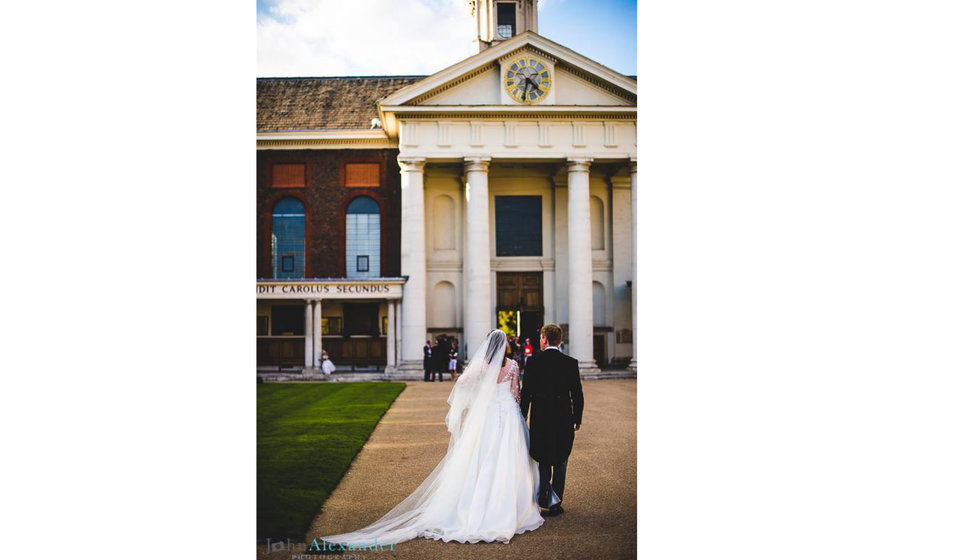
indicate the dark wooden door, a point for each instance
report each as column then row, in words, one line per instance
column 522, row 292
column 599, row 350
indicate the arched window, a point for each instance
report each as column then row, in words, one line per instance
column 288, row 239
column 363, row 238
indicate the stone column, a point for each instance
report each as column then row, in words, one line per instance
column 399, row 349
column 622, row 246
column 413, row 265
column 390, row 338
column 580, row 324
column 633, row 186
column 308, row 335
column 317, row 332
column 476, row 257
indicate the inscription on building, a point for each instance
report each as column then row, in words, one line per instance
column 328, row 290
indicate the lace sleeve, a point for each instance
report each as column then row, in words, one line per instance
column 515, row 390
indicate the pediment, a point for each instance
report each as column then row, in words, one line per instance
column 476, row 81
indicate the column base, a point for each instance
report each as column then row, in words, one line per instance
column 408, row 370
column 632, row 366
column 588, row 369
column 310, row 371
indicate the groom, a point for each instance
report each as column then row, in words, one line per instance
column 553, row 391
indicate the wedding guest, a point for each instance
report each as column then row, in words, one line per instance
column 452, row 360
column 441, row 356
column 427, row 360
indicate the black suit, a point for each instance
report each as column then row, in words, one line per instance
column 441, row 358
column 427, row 361
column 553, row 392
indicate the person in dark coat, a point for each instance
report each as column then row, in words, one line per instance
column 552, row 391
column 427, row 359
column 441, row 356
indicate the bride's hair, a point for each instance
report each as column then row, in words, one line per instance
column 497, row 339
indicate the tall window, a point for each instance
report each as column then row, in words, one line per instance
column 518, row 226
column 288, row 239
column 506, row 19
column 363, row 238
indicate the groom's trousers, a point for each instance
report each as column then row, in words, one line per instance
column 552, row 477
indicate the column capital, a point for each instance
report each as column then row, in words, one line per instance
column 409, row 164
column 620, row 182
column 579, row 164
column 633, row 165
column 476, row 164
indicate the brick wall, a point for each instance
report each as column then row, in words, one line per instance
column 326, row 199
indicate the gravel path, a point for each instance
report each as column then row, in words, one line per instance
column 600, row 490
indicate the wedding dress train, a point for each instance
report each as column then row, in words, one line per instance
column 484, row 488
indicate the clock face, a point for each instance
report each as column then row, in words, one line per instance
column 527, row 80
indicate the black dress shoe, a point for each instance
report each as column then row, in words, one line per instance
column 553, row 511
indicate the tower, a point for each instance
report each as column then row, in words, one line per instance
column 499, row 20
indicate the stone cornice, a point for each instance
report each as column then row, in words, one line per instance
column 530, row 49
column 521, row 263
column 443, row 266
column 497, row 112
column 329, row 139
column 449, row 85
column 601, row 84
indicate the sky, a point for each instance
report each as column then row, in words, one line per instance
column 419, row 37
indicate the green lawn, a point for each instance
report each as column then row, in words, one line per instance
column 308, row 434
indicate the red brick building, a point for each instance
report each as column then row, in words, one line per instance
column 328, row 215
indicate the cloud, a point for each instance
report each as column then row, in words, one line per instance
column 365, row 37
column 545, row 4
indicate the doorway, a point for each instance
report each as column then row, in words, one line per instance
column 520, row 309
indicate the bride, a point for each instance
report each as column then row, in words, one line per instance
column 484, row 488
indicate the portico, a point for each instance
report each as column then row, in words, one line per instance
column 491, row 185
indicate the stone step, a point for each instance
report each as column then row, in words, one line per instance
column 610, row 374
column 276, row 377
column 347, row 377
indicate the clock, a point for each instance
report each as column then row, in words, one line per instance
column 527, row 79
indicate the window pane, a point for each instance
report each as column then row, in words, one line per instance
column 506, row 19
column 519, row 226
column 363, row 238
column 288, row 239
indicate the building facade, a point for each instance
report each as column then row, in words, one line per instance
column 497, row 193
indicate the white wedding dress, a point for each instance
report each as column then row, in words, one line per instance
column 484, row 489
